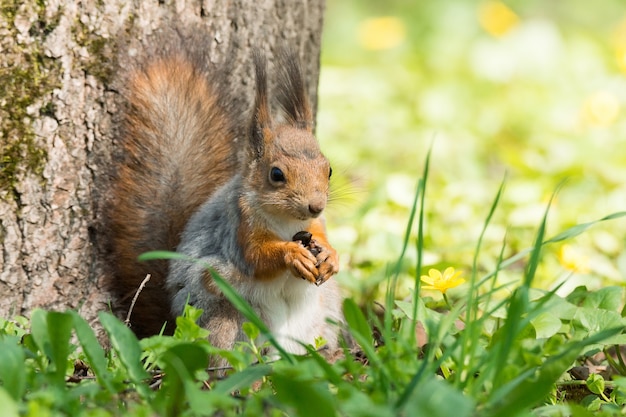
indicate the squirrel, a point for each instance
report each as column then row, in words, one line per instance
column 198, row 179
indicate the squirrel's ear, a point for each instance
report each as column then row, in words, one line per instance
column 261, row 123
column 292, row 94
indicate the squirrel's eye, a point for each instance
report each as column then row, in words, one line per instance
column 330, row 172
column 276, row 175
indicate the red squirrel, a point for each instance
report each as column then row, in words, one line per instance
column 198, row 179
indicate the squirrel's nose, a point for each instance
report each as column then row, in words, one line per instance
column 316, row 208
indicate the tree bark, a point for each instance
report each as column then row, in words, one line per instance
column 59, row 114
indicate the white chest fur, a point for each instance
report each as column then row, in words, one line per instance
column 292, row 308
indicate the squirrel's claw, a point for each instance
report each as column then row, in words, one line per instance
column 301, row 262
column 327, row 264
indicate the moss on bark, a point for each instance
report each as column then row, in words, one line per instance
column 27, row 80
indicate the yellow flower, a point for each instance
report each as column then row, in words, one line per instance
column 619, row 42
column 496, row 18
column 381, row 33
column 442, row 282
column 573, row 259
column 602, row 108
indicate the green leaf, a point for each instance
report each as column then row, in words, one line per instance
column 242, row 379
column 93, row 351
column 546, row 324
column 60, row 326
column 250, row 330
column 356, row 321
column 309, row 399
column 437, row 398
column 607, row 298
column 127, row 347
column 360, row 330
column 578, row 295
column 39, row 331
column 595, row 405
column 187, row 328
column 186, row 358
column 52, row 331
column 559, row 307
column 595, row 383
column 355, row 403
column 532, row 385
column 12, row 370
column 407, row 308
column 8, row 405
column 180, row 363
column 594, row 320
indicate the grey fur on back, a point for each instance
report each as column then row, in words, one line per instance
column 209, row 236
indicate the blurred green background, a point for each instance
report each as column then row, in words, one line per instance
column 531, row 90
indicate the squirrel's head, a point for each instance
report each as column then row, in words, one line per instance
column 285, row 165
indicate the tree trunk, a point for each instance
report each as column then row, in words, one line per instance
column 59, row 114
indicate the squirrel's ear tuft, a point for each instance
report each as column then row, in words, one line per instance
column 261, row 118
column 292, row 94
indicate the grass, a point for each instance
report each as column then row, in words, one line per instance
column 474, row 352
column 538, row 326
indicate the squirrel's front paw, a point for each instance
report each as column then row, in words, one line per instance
column 301, row 262
column 327, row 264
column 327, row 261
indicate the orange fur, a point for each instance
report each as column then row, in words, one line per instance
column 177, row 140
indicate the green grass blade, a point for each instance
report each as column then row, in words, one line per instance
column 392, row 283
column 52, row 331
column 330, row 374
column 506, row 336
column 518, row 307
column 470, row 300
column 127, row 347
column 356, row 321
column 580, row 228
column 242, row 379
column 12, row 370
column 60, row 327
column 420, row 243
column 93, row 351
column 360, row 330
column 471, row 334
column 533, row 262
column 309, row 399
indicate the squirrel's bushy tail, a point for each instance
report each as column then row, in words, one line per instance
column 178, row 144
